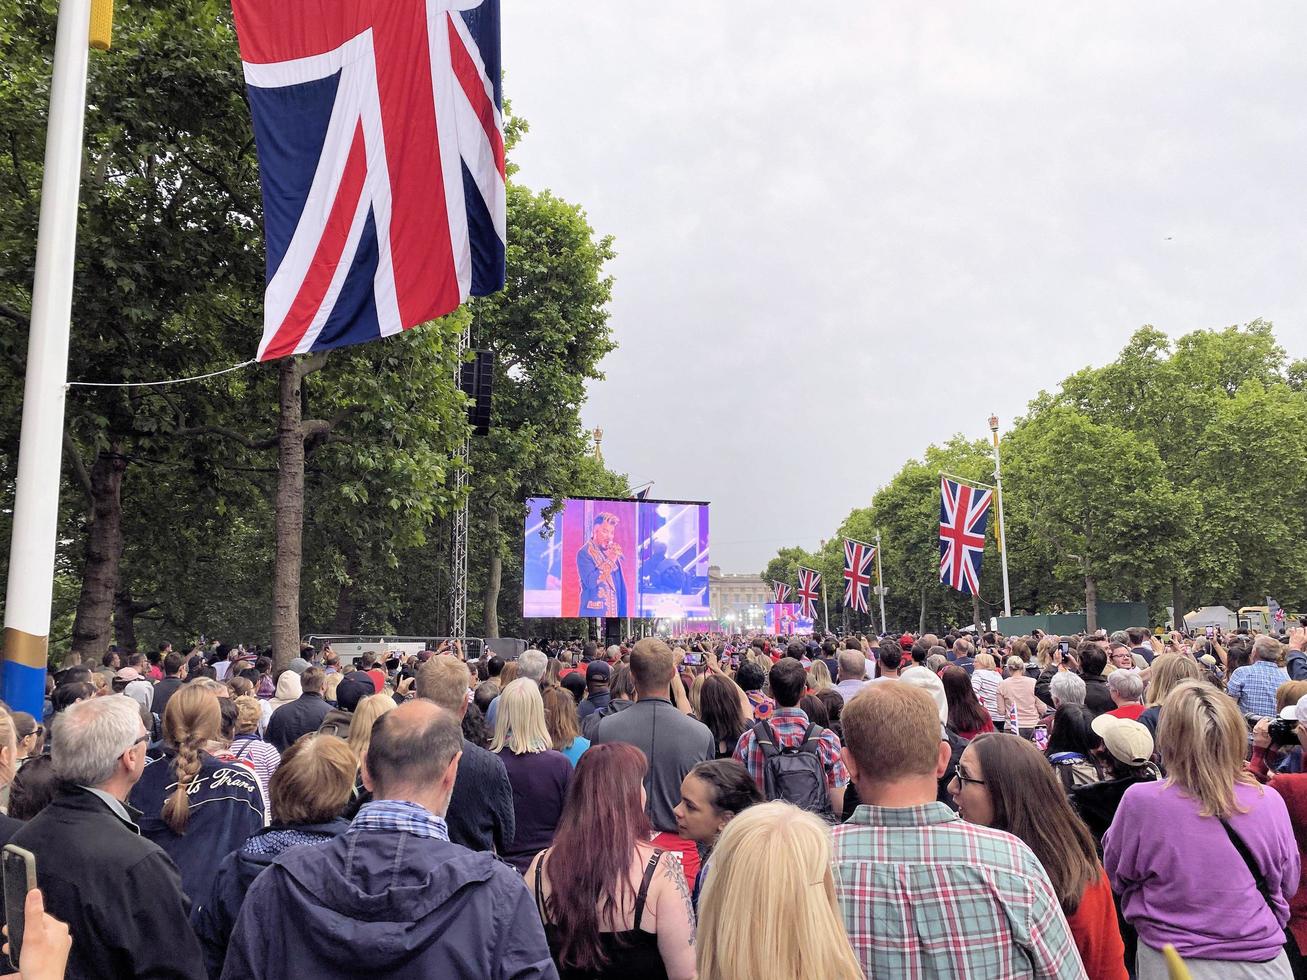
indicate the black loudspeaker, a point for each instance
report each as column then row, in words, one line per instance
column 612, row 631
column 476, row 381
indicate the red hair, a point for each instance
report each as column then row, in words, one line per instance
column 590, row 861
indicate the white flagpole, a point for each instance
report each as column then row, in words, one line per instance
column 36, row 499
column 1002, row 533
column 825, row 609
column 880, row 586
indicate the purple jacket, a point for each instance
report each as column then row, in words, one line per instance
column 388, row 904
column 1181, row 881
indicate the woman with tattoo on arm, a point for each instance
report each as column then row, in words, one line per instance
column 613, row 905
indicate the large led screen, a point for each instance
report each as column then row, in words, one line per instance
column 647, row 559
column 783, row 619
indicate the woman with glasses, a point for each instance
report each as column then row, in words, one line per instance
column 31, row 737
column 1005, row 783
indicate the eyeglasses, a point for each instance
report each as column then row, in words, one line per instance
column 143, row 738
column 963, row 779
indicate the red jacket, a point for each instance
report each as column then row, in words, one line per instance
column 1292, row 788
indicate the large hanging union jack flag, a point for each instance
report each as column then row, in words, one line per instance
column 809, row 592
column 963, row 513
column 858, row 556
column 381, row 155
column 782, row 591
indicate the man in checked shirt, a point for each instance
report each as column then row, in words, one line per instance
column 923, row 894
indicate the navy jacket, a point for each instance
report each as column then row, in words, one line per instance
column 392, row 904
column 214, row 915
column 290, row 721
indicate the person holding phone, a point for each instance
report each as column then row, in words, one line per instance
column 46, row 943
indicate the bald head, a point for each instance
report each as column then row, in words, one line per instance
column 413, row 753
column 853, row 665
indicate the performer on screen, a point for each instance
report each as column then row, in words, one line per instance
column 599, row 566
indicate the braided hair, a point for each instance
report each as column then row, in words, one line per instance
column 192, row 718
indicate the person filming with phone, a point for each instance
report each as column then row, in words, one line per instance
column 119, row 893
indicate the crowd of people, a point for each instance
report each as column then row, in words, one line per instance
column 722, row 807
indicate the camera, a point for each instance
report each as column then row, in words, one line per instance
column 1283, row 731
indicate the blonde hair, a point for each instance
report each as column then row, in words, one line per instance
column 520, row 719
column 696, row 689
column 8, row 747
column 1168, row 671
column 329, row 686
column 819, row 676
column 314, row 780
column 366, row 712
column 1202, row 739
column 1044, row 651
column 192, row 718
column 768, row 910
column 985, row 661
column 248, row 713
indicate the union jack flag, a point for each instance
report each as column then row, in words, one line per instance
column 963, row 513
column 782, row 591
column 809, row 592
column 857, row 573
column 381, row 156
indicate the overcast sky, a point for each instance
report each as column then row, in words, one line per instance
column 846, row 231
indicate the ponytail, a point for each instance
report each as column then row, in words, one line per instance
column 192, row 718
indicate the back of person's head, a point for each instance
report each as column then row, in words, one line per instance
column 815, row 709
column 889, row 656
column 771, row 876
column 520, row 719
column 853, row 665
column 750, row 676
column 532, row 665
column 1290, row 692
column 1073, row 730
column 965, row 712
column 1030, row 803
column 312, row 680
column 720, row 708
column 73, row 675
column 172, row 664
column 1016, row 667
column 1169, row 671
column 33, row 788
column 851, row 643
column 109, row 658
column 1202, row 739
column 1066, row 688
column 313, row 781
column 227, row 714
column 963, row 647
column 412, row 749
column 1127, row 685
column 495, row 665
column 366, row 713
column 892, row 731
column 560, row 717
column 1268, row 649
column 622, row 684
column 986, row 661
column 603, row 817
column 788, row 681
column 192, row 718
column 819, row 675
column 652, row 667
column 90, row 736
column 249, row 712
column 1137, row 635
column 444, row 680
column 484, row 694
column 1092, row 660
column 795, row 649
column 66, row 695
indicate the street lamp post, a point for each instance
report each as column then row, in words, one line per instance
column 1002, row 535
column 880, row 586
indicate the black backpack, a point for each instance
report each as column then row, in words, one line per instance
column 794, row 774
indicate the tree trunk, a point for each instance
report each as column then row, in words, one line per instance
column 124, row 620
column 494, row 575
column 346, row 597
column 975, row 613
column 1177, row 601
column 104, row 551
column 290, row 517
column 1091, row 603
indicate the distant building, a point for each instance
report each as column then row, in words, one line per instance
column 737, row 600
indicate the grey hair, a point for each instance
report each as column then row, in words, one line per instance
column 89, row 736
column 936, row 662
column 532, row 664
column 1268, row 648
column 1121, row 636
column 1127, row 684
column 1067, row 688
column 962, row 647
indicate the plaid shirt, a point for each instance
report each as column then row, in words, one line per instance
column 924, row 894
column 1254, row 685
column 789, row 724
column 402, row 816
